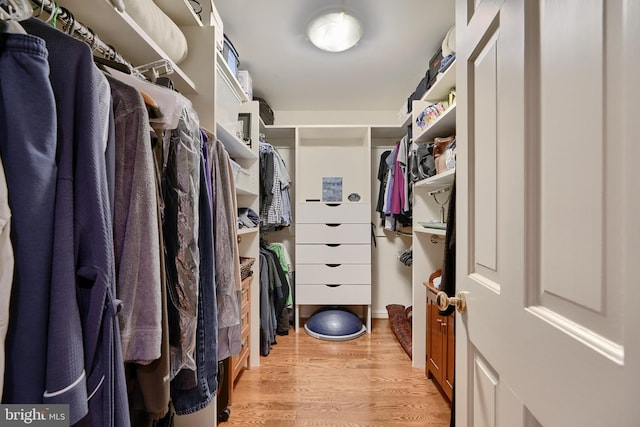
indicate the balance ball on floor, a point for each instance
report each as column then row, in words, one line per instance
column 334, row 325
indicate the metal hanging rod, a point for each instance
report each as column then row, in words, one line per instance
column 75, row 28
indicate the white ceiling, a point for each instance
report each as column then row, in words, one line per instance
column 379, row 73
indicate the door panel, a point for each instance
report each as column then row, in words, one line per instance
column 571, row 147
column 484, row 102
column 485, row 390
column 571, row 175
column 547, row 209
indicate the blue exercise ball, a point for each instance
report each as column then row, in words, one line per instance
column 334, row 325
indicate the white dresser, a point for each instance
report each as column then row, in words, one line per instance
column 333, row 255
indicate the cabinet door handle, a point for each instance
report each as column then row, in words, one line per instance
column 333, row 245
column 333, row 225
column 333, row 286
column 333, row 265
column 443, row 323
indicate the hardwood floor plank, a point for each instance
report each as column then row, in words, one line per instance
column 368, row 382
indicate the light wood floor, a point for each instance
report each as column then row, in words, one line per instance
column 368, row 381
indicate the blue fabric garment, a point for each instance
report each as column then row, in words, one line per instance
column 28, row 150
column 446, row 62
column 189, row 397
column 83, row 266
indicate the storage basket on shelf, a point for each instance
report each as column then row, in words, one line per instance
column 245, row 267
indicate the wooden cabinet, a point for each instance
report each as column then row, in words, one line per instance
column 241, row 360
column 440, row 344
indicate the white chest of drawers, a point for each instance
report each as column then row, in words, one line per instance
column 333, row 256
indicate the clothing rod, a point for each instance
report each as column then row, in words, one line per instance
column 75, row 28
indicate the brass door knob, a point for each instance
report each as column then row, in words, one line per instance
column 459, row 301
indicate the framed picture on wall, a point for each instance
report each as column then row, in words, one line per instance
column 244, row 126
column 331, row 189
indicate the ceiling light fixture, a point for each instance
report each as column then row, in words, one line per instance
column 335, row 31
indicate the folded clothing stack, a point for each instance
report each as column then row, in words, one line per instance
column 247, row 218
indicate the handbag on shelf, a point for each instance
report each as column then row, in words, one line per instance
column 421, row 162
column 444, row 153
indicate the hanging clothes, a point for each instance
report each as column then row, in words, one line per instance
column 181, row 189
column 191, row 393
column 28, row 151
column 6, row 273
column 83, row 211
column 139, row 259
column 283, row 319
column 148, row 385
column 136, row 238
column 274, row 291
column 275, row 201
column 227, row 267
column 383, row 176
column 394, row 199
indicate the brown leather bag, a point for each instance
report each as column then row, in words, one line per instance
column 439, row 148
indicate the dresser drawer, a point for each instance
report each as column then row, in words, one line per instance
column 334, row 254
column 333, row 233
column 352, row 213
column 343, row 274
column 338, row 295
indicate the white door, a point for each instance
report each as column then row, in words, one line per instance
column 548, row 213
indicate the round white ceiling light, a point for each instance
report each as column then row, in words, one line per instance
column 335, row 31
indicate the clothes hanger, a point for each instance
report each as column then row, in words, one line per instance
column 111, row 64
column 16, row 10
column 11, row 13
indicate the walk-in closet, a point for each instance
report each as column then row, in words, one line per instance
column 319, row 213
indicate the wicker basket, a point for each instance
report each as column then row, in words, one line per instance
column 245, row 266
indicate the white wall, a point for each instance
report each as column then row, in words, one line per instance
column 292, row 118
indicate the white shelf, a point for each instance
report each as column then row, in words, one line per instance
column 236, row 148
column 444, row 125
column 407, row 119
column 241, row 191
column 436, row 182
column 441, row 88
column 180, row 12
column 277, row 132
column 230, row 78
column 425, row 230
column 252, row 230
column 123, row 33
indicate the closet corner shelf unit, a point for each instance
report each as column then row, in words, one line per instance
column 442, row 86
column 236, row 148
column 437, row 182
column 437, row 92
column 444, row 125
column 180, row 12
column 426, row 209
column 243, row 231
column 426, row 230
column 132, row 42
column 230, row 77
